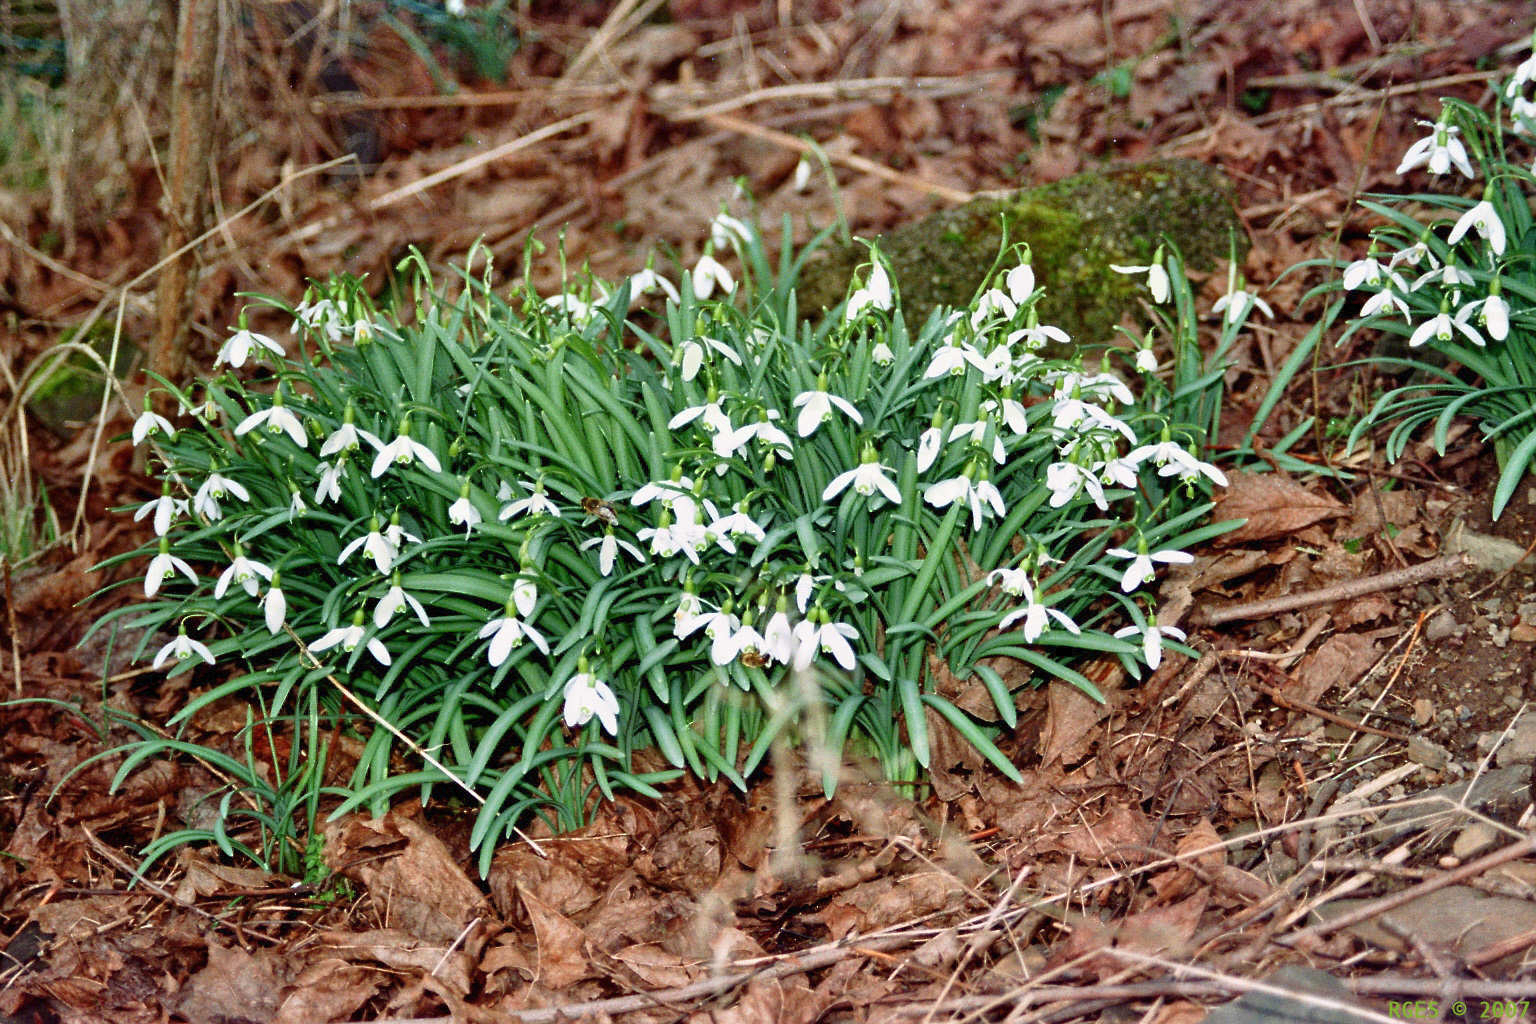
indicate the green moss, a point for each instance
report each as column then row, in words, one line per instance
column 1075, row 227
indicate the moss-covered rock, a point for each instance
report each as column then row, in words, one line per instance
column 1075, row 227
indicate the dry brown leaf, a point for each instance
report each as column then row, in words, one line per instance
column 1272, row 505
column 1164, row 929
column 775, row 1001
column 409, row 871
column 1069, row 732
column 1203, row 844
column 657, row 967
column 328, row 989
column 562, row 960
column 233, row 978
column 1341, row 660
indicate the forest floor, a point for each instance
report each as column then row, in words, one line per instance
column 1327, row 813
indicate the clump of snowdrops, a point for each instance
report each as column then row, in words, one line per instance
column 559, row 550
column 1452, row 271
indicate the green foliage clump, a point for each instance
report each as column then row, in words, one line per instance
column 557, row 552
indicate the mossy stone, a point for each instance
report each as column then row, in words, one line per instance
column 69, row 394
column 1075, row 228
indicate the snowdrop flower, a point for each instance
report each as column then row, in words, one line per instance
column 952, row 358
column 1146, row 360
column 206, row 501
column 463, row 511
column 162, row 565
column 929, row 443
column 1237, row 302
column 876, row 294
column 1157, row 277
column 668, row 491
column 373, row 544
column 243, row 571
column 1522, row 115
column 1175, row 459
column 647, row 281
column 277, row 419
column 608, row 550
column 727, row 230
column 688, row 606
column 149, row 424
column 977, row 432
column 667, row 539
column 525, row 593
column 992, row 303
column 721, row 627
column 778, row 635
column 1485, row 219
column 1449, row 277
column 536, row 504
column 746, row 638
column 1037, row 617
column 738, row 524
column 715, row 419
column 274, row 604
column 1152, row 640
column 1066, row 480
column 1443, row 328
column 805, row 585
column 1524, row 74
column 321, row 314
column 587, row 696
column 980, row 495
column 330, row 481
column 1390, row 297
column 347, row 437
column 1014, row 582
column 1140, row 572
column 456, row 8
column 237, row 348
column 708, row 273
column 208, row 411
column 1365, row 272
column 578, row 309
column 164, row 508
column 1077, row 415
column 1414, row 254
column 1020, row 282
column 768, row 434
column 349, row 637
column 881, row 354
column 1069, row 381
column 832, row 638
column 1121, row 472
column 866, row 478
column 508, row 632
column 397, row 534
column 182, row 648
column 393, row 600
column 1037, row 336
column 402, row 451
column 1441, row 149
column 691, row 354
column 816, row 408
column 1011, row 411
column 1492, row 312
column 800, row 181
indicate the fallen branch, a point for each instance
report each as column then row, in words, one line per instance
column 1437, row 568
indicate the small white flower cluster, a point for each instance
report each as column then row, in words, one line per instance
column 1460, row 273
